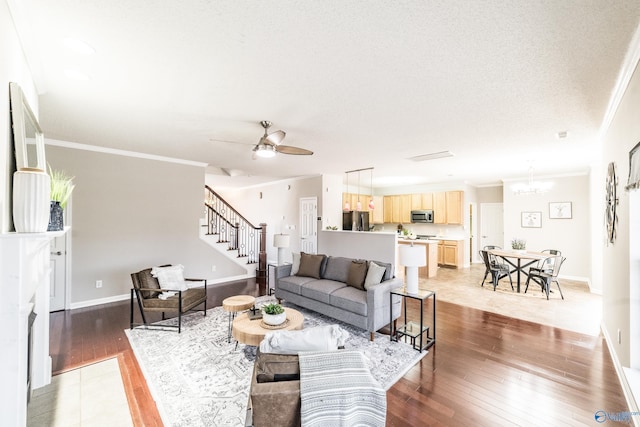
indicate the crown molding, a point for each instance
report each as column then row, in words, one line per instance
column 117, row 152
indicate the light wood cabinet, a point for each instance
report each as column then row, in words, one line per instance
column 427, row 200
column 397, row 209
column 388, row 209
column 440, row 208
column 378, row 211
column 447, row 207
column 454, row 207
column 451, row 253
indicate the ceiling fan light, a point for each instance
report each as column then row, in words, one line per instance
column 265, row 151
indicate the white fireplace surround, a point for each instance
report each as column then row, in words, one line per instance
column 24, row 284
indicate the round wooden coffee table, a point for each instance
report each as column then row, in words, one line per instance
column 251, row 332
column 235, row 304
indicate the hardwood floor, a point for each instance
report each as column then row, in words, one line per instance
column 485, row 368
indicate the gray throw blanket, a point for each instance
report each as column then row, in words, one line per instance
column 337, row 389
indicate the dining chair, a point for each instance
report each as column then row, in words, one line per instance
column 551, row 251
column 489, row 247
column 544, row 278
column 497, row 269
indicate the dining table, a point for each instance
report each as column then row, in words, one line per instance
column 519, row 260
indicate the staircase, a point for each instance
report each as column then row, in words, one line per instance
column 233, row 235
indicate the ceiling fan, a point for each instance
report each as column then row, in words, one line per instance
column 269, row 144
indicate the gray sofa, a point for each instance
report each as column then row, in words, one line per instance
column 327, row 292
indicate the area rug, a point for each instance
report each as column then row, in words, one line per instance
column 198, row 378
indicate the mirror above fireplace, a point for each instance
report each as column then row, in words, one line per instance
column 27, row 135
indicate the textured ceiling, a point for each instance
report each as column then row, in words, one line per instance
column 361, row 83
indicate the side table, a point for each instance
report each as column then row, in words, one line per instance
column 234, row 305
column 419, row 334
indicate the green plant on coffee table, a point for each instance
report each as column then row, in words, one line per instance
column 518, row 244
column 273, row 308
column 61, row 186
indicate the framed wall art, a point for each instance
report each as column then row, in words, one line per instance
column 531, row 219
column 560, row 210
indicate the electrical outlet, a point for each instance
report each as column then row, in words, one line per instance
column 619, row 336
column 213, row 268
column 98, row 283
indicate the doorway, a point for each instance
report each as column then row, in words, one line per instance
column 491, row 224
column 309, row 225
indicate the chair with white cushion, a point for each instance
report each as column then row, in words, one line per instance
column 164, row 289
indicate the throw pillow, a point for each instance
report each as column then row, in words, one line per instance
column 295, row 265
column 357, row 274
column 374, row 275
column 310, row 265
column 170, row 278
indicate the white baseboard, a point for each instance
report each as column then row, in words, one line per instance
column 124, row 297
column 99, row 301
column 620, row 370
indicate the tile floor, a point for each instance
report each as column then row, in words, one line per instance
column 90, row 396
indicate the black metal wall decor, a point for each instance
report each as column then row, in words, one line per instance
column 611, row 215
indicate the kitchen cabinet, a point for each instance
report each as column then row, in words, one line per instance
column 378, row 212
column 397, row 209
column 440, row 208
column 427, row 200
column 454, row 210
column 451, row 253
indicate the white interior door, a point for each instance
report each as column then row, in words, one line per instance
column 491, row 224
column 57, row 297
column 309, row 225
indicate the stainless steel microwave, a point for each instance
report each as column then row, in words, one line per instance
column 425, row 215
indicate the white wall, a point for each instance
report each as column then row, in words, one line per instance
column 131, row 213
column 622, row 135
column 571, row 236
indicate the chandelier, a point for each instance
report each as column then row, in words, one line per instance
column 532, row 187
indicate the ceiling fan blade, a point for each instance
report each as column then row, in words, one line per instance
column 288, row 149
column 276, row 137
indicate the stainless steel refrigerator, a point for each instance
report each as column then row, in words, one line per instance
column 355, row 220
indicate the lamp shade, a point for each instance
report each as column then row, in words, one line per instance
column 281, row 240
column 412, row 256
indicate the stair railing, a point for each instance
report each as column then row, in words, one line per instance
column 233, row 228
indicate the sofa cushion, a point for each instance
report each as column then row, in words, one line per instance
column 357, row 274
column 375, row 273
column 337, row 268
column 295, row 263
column 388, row 273
column 293, row 283
column 350, row 299
column 310, row 265
column 320, row 290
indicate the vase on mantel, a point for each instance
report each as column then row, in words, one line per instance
column 31, row 194
column 56, row 217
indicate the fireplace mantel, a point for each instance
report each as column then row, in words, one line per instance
column 24, row 286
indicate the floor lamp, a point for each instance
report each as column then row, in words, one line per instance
column 281, row 241
column 412, row 257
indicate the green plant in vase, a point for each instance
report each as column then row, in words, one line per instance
column 61, row 188
column 273, row 314
column 518, row 244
